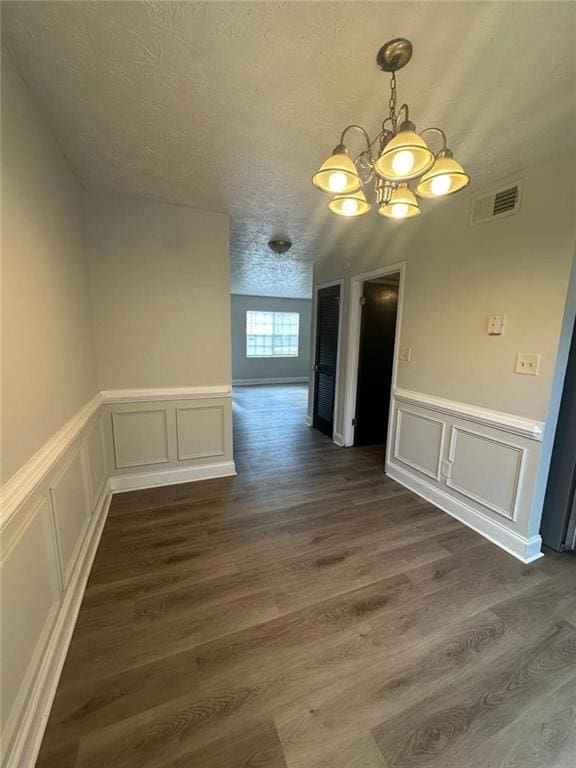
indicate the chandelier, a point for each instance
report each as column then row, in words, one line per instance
column 398, row 161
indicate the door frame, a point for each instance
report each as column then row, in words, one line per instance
column 313, row 341
column 353, row 352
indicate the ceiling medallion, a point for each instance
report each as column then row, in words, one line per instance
column 396, row 159
column 280, row 246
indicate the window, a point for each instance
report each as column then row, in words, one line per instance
column 272, row 334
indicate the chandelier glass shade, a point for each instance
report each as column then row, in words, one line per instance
column 444, row 178
column 352, row 204
column 402, row 204
column 396, row 158
column 406, row 156
column 338, row 175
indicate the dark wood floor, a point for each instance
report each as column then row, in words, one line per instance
column 312, row 613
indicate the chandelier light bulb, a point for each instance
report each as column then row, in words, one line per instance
column 403, row 162
column 337, row 182
column 349, row 207
column 350, row 204
column 399, row 210
column 440, row 185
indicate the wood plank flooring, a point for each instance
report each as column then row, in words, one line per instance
column 312, row 613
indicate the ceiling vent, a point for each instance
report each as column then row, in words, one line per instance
column 502, row 202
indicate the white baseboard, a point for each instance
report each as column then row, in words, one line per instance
column 121, row 483
column 286, row 380
column 339, row 439
column 308, row 421
column 31, row 728
column 526, row 550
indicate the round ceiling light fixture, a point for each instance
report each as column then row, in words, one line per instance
column 280, row 246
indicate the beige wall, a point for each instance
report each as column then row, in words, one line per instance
column 48, row 353
column 457, row 275
column 160, row 284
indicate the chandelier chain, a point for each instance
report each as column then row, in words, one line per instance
column 392, row 101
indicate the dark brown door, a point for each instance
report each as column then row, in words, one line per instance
column 375, row 360
column 327, row 319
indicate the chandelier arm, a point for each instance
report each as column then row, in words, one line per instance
column 404, row 108
column 442, row 135
column 362, row 131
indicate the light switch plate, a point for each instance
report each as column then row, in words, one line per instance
column 495, row 325
column 527, row 363
column 405, row 354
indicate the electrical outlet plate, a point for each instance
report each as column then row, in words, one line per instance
column 495, row 325
column 527, row 363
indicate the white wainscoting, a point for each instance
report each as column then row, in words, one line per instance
column 184, row 436
column 52, row 514
column 53, row 511
column 478, row 465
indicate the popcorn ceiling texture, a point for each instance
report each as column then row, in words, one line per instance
column 232, row 106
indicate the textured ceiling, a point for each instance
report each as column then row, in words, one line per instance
column 232, row 106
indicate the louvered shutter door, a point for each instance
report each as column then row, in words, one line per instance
column 326, row 357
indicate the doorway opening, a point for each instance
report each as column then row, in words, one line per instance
column 375, row 313
column 379, row 306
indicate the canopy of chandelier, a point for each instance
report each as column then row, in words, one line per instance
column 396, row 160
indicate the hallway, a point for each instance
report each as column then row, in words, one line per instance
column 311, row 613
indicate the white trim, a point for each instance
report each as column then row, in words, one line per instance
column 338, row 439
column 219, row 409
column 308, row 421
column 507, row 514
column 164, row 393
column 116, row 439
column 526, row 550
column 282, row 380
column 121, row 483
column 34, row 719
column 351, row 374
column 507, row 422
column 17, row 489
column 396, row 454
column 318, row 288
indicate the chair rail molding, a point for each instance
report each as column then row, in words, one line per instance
column 19, row 487
column 164, row 393
column 517, row 425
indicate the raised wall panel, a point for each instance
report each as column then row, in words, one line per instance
column 70, row 510
column 30, row 596
column 200, row 432
column 96, row 462
column 486, row 470
column 418, row 442
column 140, row 438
